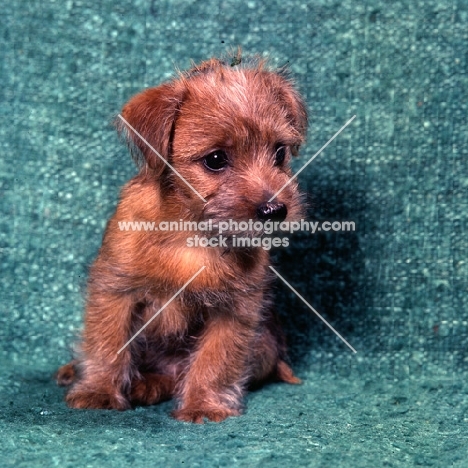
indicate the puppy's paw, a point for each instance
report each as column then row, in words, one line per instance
column 86, row 399
column 198, row 415
column 151, row 389
column 66, row 375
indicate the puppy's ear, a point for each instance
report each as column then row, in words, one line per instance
column 294, row 105
column 148, row 124
column 297, row 110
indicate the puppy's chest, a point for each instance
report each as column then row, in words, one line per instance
column 183, row 317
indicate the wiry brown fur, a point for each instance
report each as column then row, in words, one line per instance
column 219, row 335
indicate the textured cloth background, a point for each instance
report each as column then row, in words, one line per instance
column 396, row 288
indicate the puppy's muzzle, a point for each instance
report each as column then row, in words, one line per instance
column 270, row 211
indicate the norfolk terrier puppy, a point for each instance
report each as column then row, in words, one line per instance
column 168, row 319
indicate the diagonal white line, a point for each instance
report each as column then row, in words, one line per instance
column 160, row 157
column 312, row 158
column 161, row 309
column 312, row 309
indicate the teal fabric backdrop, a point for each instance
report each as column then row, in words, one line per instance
column 395, row 288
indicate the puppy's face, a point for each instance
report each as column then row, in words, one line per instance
column 231, row 133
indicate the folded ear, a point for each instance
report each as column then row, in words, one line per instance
column 298, row 111
column 147, row 123
column 294, row 105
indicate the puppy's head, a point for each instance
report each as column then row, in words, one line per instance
column 230, row 133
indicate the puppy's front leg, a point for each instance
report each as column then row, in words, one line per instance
column 214, row 383
column 104, row 373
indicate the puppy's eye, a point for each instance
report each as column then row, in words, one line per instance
column 216, row 161
column 280, row 155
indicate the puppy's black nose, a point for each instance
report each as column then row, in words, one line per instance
column 271, row 211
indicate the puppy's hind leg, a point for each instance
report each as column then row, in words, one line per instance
column 149, row 388
column 66, row 374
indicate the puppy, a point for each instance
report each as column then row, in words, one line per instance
column 214, row 144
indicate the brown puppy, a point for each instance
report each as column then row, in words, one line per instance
column 229, row 130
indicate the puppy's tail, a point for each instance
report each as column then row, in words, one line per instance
column 285, row 374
